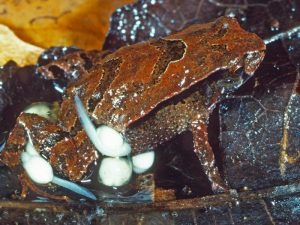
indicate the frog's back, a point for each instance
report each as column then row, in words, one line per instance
column 151, row 72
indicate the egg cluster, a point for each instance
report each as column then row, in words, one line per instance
column 116, row 166
column 40, row 171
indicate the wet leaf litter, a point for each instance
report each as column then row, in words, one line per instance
column 276, row 205
column 112, row 129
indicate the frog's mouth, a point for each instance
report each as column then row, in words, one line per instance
column 107, row 140
column 230, row 82
column 252, row 61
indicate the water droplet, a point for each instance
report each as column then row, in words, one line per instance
column 275, row 25
column 230, row 12
column 165, row 215
column 174, row 214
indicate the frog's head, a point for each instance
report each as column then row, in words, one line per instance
column 238, row 49
column 240, row 72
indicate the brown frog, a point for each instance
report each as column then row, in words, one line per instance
column 149, row 92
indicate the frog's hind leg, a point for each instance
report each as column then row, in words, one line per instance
column 11, row 154
column 27, row 185
column 205, row 154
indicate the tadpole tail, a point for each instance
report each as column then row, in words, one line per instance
column 87, row 124
column 74, row 187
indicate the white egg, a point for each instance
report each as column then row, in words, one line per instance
column 30, row 149
column 39, row 108
column 142, row 162
column 115, row 171
column 125, row 149
column 37, row 168
column 25, row 157
column 112, row 142
column 108, row 141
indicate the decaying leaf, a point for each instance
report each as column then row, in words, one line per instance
column 20, row 87
column 12, row 48
column 83, row 23
column 260, row 125
column 256, row 154
column 55, row 64
column 260, row 130
column 150, row 18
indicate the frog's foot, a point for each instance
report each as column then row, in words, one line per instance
column 27, row 185
column 108, row 141
column 205, row 154
column 217, row 184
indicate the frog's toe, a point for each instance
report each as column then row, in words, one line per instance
column 27, row 185
column 219, row 188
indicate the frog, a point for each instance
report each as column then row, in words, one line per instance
column 149, row 92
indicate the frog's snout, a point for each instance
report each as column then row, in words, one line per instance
column 252, row 61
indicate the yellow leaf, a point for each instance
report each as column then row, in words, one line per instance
column 83, row 23
column 12, row 48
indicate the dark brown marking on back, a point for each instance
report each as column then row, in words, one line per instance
column 201, row 60
column 172, row 50
column 110, row 70
column 219, row 48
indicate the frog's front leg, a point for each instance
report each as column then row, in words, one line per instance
column 206, row 156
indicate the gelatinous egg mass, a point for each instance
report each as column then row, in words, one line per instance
column 30, row 149
column 109, row 137
column 112, row 142
column 108, row 141
column 37, row 168
column 40, row 108
column 142, row 162
column 115, row 171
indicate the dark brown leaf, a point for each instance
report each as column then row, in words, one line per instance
column 151, row 18
column 260, row 126
column 278, row 205
column 272, row 20
column 67, row 64
column 19, row 88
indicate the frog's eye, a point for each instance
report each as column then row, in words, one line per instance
column 108, row 141
column 229, row 82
